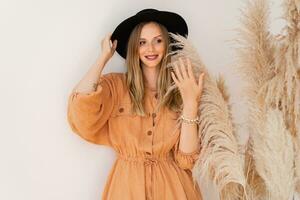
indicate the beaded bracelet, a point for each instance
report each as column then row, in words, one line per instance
column 190, row 121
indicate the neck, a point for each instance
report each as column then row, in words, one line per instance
column 150, row 77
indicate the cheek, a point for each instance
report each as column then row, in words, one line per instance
column 141, row 54
column 161, row 48
column 142, row 51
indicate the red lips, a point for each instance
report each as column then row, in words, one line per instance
column 151, row 57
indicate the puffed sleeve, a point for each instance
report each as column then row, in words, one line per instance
column 88, row 113
column 185, row 160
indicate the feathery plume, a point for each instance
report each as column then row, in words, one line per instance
column 220, row 159
column 273, row 154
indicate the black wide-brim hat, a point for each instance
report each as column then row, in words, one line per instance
column 173, row 22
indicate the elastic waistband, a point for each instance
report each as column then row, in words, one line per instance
column 146, row 159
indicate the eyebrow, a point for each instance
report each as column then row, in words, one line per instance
column 154, row 37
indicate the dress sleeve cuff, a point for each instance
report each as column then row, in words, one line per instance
column 187, row 160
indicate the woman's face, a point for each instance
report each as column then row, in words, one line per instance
column 151, row 45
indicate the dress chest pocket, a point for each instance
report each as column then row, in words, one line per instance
column 122, row 110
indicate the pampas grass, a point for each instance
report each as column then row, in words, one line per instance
column 270, row 168
column 273, row 99
column 273, row 154
column 270, row 65
column 297, row 162
column 220, row 159
column 255, row 187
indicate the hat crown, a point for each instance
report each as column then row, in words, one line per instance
column 148, row 10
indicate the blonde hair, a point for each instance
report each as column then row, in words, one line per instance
column 135, row 79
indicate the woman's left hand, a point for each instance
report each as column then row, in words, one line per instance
column 190, row 90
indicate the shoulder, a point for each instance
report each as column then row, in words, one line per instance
column 116, row 78
column 117, row 82
column 113, row 75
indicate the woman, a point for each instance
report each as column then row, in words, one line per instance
column 131, row 112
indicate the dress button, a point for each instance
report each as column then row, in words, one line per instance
column 121, row 109
column 149, row 132
column 153, row 115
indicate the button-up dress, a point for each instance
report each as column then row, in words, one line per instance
column 149, row 163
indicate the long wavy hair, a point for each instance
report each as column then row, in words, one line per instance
column 135, row 79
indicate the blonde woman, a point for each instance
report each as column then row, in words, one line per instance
column 131, row 112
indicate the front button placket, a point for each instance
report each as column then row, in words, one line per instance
column 150, row 160
column 153, row 119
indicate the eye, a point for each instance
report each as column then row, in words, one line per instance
column 158, row 41
column 142, row 42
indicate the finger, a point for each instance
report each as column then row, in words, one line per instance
column 200, row 82
column 105, row 41
column 183, row 69
column 175, row 79
column 178, row 74
column 108, row 35
column 190, row 70
column 114, row 46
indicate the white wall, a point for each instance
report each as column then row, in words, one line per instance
column 45, row 48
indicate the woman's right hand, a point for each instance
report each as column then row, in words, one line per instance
column 108, row 50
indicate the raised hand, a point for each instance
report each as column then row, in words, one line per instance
column 108, row 48
column 189, row 89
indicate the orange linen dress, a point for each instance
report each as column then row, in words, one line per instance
column 149, row 164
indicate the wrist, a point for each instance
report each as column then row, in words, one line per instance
column 101, row 62
column 103, row 58
column 190, row 104
column 190, row 110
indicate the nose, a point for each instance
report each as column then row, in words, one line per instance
column 150, row 47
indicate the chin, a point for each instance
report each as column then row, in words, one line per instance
column 151, row 64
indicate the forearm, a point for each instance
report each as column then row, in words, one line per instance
column 189, row 141
column 86, row 84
